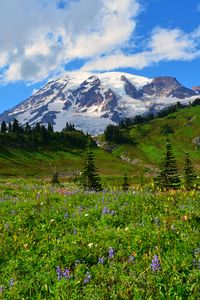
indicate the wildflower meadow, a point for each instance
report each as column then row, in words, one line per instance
column 61, row 243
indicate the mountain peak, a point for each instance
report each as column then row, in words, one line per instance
column 91, row 101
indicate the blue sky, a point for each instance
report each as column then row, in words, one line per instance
column 40, row 39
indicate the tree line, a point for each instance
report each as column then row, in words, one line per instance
column 28, row 137
column 169, row 177
column 119, row 135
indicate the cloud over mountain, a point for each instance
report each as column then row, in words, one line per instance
column 40, row 37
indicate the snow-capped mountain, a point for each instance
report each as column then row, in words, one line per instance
column 92, row 101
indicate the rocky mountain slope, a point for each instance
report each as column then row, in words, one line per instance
column 92, row 101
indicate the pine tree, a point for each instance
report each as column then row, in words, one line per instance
column 49, row 127
column 125, row 185
column 168, row 177
column 9, row 127
column 55, row 179
column 3, row 127
column 89, row 178
column 15, row 126
column 189, row 173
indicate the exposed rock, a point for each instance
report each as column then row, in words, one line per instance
column 92, row 101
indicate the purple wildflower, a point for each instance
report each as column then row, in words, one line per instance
column 131, row 258
column 59, row 272
column 111, row 253
column 66, row 273
column 87, row 278
column 1, row 289
column 11, row 282
column 196, row 260
column 63, row 274
column 77, row 262
column 101, row 260
column 105, row 210
column 66, row 215
column 112, row 212
column 155, row 264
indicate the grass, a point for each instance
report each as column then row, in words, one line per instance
column 44, row 227
column 40, row 163
column 151, row 139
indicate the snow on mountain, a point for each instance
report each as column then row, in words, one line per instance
column 92, row 101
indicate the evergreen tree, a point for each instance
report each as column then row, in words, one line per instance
column 15, row 126
column 125, row 185
column 55, row 179
column 168, row 177
column 49, row 127
column 27, row 128
column 3, row 127
column 89, row 178
column 189, row 173
column 9, row 127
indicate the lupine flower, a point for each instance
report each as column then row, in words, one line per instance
column 131, row 258
column 63, row 274
column 59, row 272
column 155, row 264
column 66, row 273
column 101, row 260
column 77, row 262
column 196, row 260
column 66, row 215
column 11, row 282
column 111, row 253
column 105, row 210
column 196, row 251
column 87, row 278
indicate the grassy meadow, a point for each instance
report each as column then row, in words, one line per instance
column 57, row 242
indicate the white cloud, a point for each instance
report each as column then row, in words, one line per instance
column 3, row 59
column 172, row 44
column 39, row 38
column 164, row 45
column 14, row 72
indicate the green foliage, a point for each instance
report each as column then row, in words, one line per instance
column 89, row 178
column 55, row 179
column 167, row 129
column 117, row 135
column 3, row 127
column 168, row 177
column 189, row 173
column 44, row 227
column 40, row 137
column 125, row 185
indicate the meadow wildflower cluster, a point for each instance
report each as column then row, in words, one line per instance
column 57, row 245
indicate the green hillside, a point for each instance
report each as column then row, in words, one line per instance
column 139, row 158
column 181, row 128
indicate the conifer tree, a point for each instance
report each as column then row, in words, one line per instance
column 3, row 127
column 168, row 177
column 9, row 127
column 125, row 185
column 189, row 173
column 89, row 178
column 50, row 127
column 15, row 126
column 55, row 179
